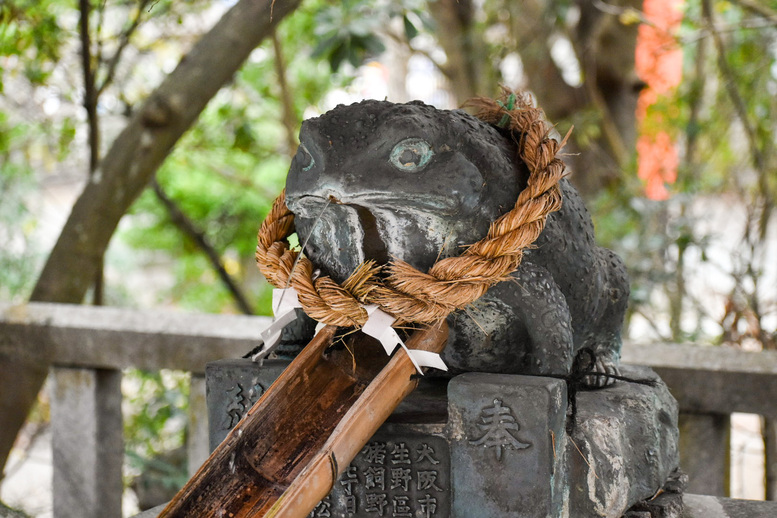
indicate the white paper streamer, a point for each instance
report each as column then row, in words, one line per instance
column 284, row 302
column 378, row 326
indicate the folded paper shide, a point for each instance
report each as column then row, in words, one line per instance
column 286, row 301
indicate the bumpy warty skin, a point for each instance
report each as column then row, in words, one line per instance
column 377, row 180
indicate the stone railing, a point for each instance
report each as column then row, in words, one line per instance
column 88, row 346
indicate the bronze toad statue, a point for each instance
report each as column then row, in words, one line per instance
column 377, row 180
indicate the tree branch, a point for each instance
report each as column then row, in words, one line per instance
column 125, row 170
column 147, row 139
column 124, row 40
column 425, row 53
column 289, row 118
column 756, row 153
column 90, row 94
column 731, row 87
column 758, row 9
column 188, row 227
column 93, row 122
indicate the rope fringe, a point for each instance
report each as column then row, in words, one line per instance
column 451, row 283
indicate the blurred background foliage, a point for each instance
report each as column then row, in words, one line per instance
column 701, row 259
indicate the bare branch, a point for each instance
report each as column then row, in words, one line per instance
column 428, row 55
column 188, row 227
column 124, row 40
column 126, row 169
column 757, row 154
column 758, row 9
column 731, row 86
column 289, row 118
column 90, row 94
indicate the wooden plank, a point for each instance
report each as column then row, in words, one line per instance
column 394, row 382
column 311, row 422
column 269, row 444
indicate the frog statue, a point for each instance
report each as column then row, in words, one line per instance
column 378, row 180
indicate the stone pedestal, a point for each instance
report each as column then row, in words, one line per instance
column 492, row 445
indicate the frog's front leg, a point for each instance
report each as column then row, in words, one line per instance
column 543, row 310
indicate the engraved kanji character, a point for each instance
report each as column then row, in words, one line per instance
column 322, row 509
column 238, row 404
column 349, row 478
column 376, row 503
column 375, row 453
column 428, row 505
column 400, row 454
column 375, row 477
column 400, row 478
column 401, row 507
column 425, row 452
column 350, row 504
column 498, row 424
column 426, row 480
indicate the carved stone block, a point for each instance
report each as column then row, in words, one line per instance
column 623, row 446
column 233, row 386
column 501, row 449
column 506, row 434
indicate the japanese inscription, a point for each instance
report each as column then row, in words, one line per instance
column 397, row 477
column 498, row 426
column 240, row 401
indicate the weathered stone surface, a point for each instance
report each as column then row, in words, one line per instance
column 694, row 506
column 233, row 386
column 504, row 450
column 698, row 506
column 623, row 446
column 198, row 439
column 705, row 452
column 399, row 473
column 116, row 338
column 507, row 436
column 667, row 503
column 87, row 441
column 712, row 379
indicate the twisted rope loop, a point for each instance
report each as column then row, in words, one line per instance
column 451, row 283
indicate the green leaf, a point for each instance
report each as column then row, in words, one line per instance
column 410, row 30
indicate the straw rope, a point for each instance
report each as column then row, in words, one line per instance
column 451, row 283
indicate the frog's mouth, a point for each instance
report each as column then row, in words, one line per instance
column 341, row 232
column 372, row 245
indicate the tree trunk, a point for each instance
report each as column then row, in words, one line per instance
column 464, row 48
column 125, row 171
column 604, row 48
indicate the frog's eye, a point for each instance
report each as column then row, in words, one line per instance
column 411, row 155
column 303, row 158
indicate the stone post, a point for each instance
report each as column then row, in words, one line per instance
column 705, row 452
column 88, row 443
column 197, row 448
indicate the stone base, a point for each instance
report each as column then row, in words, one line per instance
column 503, row 445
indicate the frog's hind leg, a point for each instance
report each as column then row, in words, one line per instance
column 604, row 340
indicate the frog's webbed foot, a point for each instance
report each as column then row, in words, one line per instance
column 598, row 369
